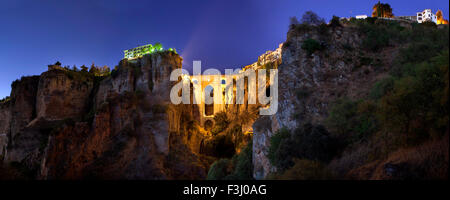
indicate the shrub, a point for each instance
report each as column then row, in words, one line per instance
column 415, row 106
column 351, row 120
column 221, row 122
column 376, row 40
column 240, row 167
column 341, row 116
column 311, row 18
column 381, row 88
column 312, row 142
column 335, row 22
column 306, row 170
column 5, row 99
column 311, row 46
column 293, row 21
column 219, row 170
column 275, row 141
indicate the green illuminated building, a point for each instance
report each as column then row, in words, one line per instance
column 143, row 50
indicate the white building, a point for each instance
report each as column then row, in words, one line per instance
column 361, row 16
column 426, row 15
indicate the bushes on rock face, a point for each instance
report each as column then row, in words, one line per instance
column 219, row 170
column 341, row 116
column 380, row 33
column 240, row 167
column 5, row 99
column 275, row 141
column 406, row 109
column 381, row 88
column 311, row 142
column 221, row 123
column 306, row 170
column 311, row 46
column 417, row 105
column 352, row 120
column 311, row 18
column 335, row 22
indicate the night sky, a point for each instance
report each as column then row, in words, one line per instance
column 220, row 33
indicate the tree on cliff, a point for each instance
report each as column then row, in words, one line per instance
column 94, row 70
column 84, row 68
column 311, row 18
column 440, row 18
column 382, row 10
column 293, row 21
column 158, row 46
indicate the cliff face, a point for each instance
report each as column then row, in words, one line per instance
column 58, row 91
column 5, row 122
column 73, row 125
column 310, row 82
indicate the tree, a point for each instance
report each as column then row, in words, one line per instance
column 74, row 68
column 219, row 170
column 94, row 70
column 382, row 10
column 84, row 68
column 293, row 21
column 335, row 22
column 440, row 18
column 105, row 70
column 221, row 123
column 311, row 18
column 311, row 46
column 158, row 46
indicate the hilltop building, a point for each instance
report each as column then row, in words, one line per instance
column 361, row 16
column 426, row 15
column 420, row 17
column 140, row 51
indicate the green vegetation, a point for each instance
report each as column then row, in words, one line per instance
column 311, row 46
column 311, row 142
column 406, row 109
column 311, row 18
column 275, row 141
column 335, row 22
column 240, row 167
column 304, row 170
column 5, row 99
column 221, row 123
column 380, row 33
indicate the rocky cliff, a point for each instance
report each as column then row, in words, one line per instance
column 343, row 59
column 319, row 78
column 67, row 124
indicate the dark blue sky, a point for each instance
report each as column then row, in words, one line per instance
column 220, row 33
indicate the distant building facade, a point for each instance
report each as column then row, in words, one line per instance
column 426, row 15
column 361, row 16
column 142, row 50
